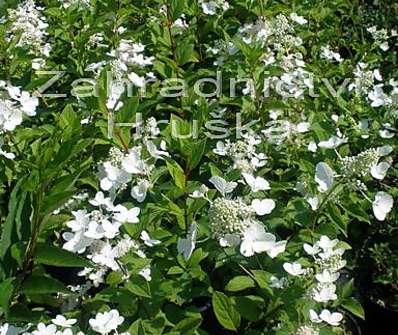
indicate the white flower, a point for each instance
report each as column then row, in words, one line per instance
column 325, row 293
column 332, row 143
column 277, row 249
column 61, row 321
column 147, row 240
column 38, row 63
column 378, row 97
column 106, row 322
column 333, row 319
column 220, row 149
column 209, row 8
column 256, row 240
column 136, row 79
column 312, row 146
column 385, row 133
column 155, row 152
column 114, row 177
column 100, row 200
column 324, row 176
column 201, row 193
column 312, row 250
column 222, row 185
column 28, row 103
column 8, row 155
column 111, row 229
column 139, row 191
column 229, row 240
column 295, row 269
column 105, row 256
column 263, row 206
column 313, row 202
column 298, row 19
column 379, row 171
column 7, row 329
column 95, row 231
column 42, row 329
column 66, row 331
column 124, row 215
column 327, row 277
column 314, row 317
column 132, row 163
column 326, row 243
column 256, row 183
column 186, row 246
column 385, row 150
column 76, row 242
column 146, row 273
column 328, row 54
column 277, row 283
column 303, row 127
column 382, row 205
column 384, row 46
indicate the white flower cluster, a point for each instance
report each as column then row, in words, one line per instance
column 233, row 222
column 352, row 169
column 381, row 37
column 14, row 103
column 124, row 168
column 213, row 7
column 363, row 165
column 126, row 60
column 307, row 330
column 276, row 37
column 229, row 217
column 29, row 26
column 279, row 130
column 370, row 84
column 96, row 234
column 127, row 54
column 329, row 54
column 104, row 323
column 276, row 33
column 243, row 153
column 328, row 261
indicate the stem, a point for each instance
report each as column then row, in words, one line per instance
column 172, row 40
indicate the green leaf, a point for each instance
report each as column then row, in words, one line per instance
column 186, row 53
column 187, row 326
column 225, row 311
column 43, row 285
column 55, row 256
column 137, row 328
column 262, row 278
column 196, row 151
column 139, row 286
column 347, row 289
column 177, row 173
column 239, row 283
column 9, row 229
column 55, row 201
column 353, row 306
column 177, row 8
column 250, row 307
column 6, row 289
